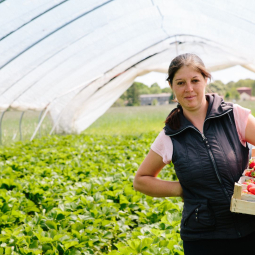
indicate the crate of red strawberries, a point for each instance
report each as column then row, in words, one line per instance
column 243, row 199
column 251, row 171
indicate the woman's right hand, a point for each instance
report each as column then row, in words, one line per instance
column 146, row 180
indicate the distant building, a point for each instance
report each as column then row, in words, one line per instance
column 156, row 99
column 245, row 93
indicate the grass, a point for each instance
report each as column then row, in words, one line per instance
column 116, row 121
column 10, row 126
column 137, row 120
column 131, row 120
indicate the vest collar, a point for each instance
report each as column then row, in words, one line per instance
column 216, row 108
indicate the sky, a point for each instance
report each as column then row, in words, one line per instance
column 230, row 74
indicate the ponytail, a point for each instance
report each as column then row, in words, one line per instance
column 173, row 119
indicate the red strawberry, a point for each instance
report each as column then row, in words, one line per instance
column 246, row 173
column 252, row 190
column 250, row 186
column 252, row 164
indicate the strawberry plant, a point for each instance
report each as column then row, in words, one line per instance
column 73, row 195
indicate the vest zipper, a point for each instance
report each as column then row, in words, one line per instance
column 211, row 154
column 214, row 165
column 212, row 158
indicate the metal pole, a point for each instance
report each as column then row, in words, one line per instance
column 20, row 129
column 176, row 46
column 2, row 115
column 40, row 123
column 55, row 124
column 39, row 118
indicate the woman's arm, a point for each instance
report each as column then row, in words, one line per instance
column 146, row 182
column 250, row 130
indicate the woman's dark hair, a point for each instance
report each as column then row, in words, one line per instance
column 178, row 62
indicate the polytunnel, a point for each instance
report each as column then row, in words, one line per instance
column 74, row 58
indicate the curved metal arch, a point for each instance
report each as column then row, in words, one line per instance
column 35, row 69
column 56, row 53
column 40, row 121
column 1, row 119
column 66, row 24
column 20, row 121
column 32, row 19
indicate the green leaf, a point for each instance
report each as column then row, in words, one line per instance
column 46, row 247
column 60, row 216
column 136, row 198
column 8, row 251
column 105, row 222
column 108, row 235
column 5, row 208
column 34, row 244
column 70, row 244
column 135, row 245
column 123, row 200
column 146, row 242
column 31, row 209
column 74, row 252
column 50, row 252
column 51, row 224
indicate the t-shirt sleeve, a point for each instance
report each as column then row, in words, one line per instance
column 241, row 117
column 163, row 146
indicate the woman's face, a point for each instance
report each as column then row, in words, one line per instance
column 188, row 85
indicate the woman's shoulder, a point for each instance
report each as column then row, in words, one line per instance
column 163, row 146
column 238, row 107
column 241, row 115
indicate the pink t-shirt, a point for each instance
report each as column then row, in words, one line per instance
column 163, row 145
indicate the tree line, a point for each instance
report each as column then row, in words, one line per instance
column 229, row 91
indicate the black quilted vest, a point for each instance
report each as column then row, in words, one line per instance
column 207, row 166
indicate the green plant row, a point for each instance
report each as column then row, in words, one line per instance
column 73, row 195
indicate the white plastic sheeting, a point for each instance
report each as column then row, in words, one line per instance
column 75, row 57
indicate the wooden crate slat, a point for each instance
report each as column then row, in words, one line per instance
column 242, row 206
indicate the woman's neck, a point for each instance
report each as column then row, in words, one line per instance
column 197, row 117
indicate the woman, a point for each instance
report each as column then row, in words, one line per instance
column 206, row 139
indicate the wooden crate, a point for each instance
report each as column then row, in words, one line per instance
column 241, row 206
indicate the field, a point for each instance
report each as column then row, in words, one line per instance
column 116, row 121
column 131, row 120
column 73, row 194
column 11, row 129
